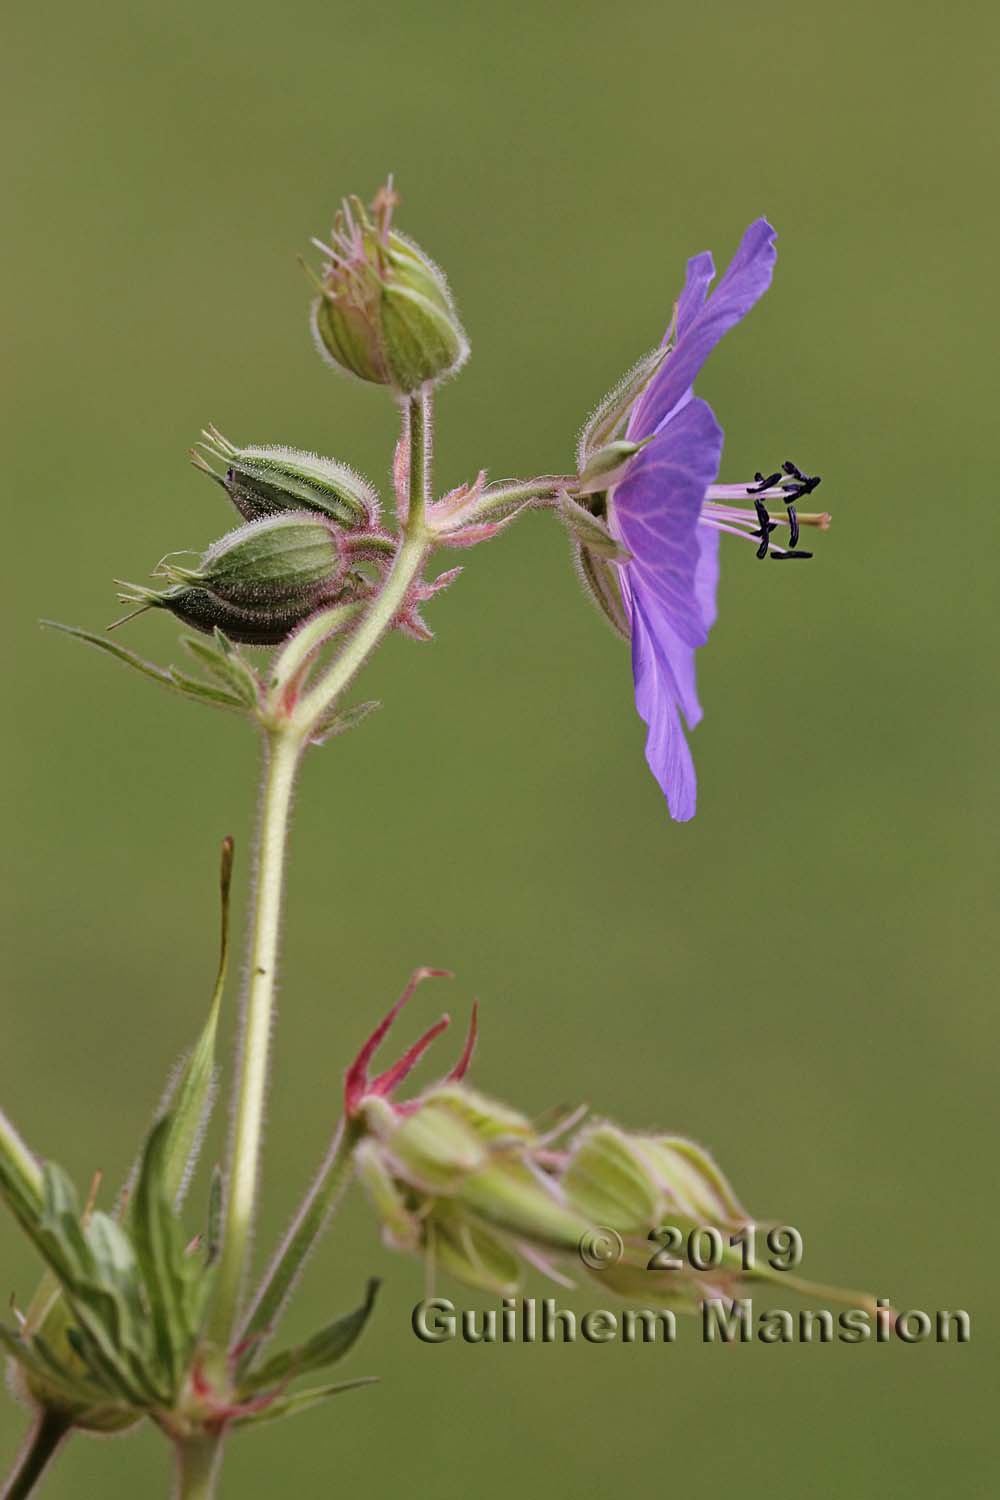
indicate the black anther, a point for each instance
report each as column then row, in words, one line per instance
column 793, row 526
column 766, row 527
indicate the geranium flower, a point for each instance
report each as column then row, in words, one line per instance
column 665, row 510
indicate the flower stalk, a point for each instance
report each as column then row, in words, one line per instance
column 283, row 751
column 40, row 1448
column 198, row 1460
column 285, row 742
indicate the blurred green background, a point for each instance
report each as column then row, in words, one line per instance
column 799, row 978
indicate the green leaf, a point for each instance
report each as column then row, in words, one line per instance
column 169, row 1276
column 323, row 1349
column 168, row 677
column 290, row 1406
column 213, row 1231
column 341, row 722
column 107, row 1337
column 203, row 691
column 101, row 642
column 189, row 1100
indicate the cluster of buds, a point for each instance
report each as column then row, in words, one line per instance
column 482, row 1193
column 384, row 312
column 312, row 538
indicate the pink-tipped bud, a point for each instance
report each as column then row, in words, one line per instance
column 384, row 312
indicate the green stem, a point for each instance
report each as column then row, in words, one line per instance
column 413, row 553
column 35, row 1456
column 498, row 499
column 197, row 1469
column 312, row 1218
column 285, row 743
column 283, row 753
column 419, row 419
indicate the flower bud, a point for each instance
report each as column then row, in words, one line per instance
column 384, row 312
column 454, row 1173
column 610, row 1183
column 473, row 1185
column 265, row 481
column 692, row 1180
column 258, row 583
column 633, row 1182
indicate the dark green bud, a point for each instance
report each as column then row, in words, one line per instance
column 259, row 582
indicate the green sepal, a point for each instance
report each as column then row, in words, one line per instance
column 420, row 336
column 432, row 1148
column 464, row 1249
column 343, row 720
column 599, row 579
column 298, row 1401
column 692, row 1180
column 610, row 413
column 608, row 1181
column 590, row 531
column 513, row 1198
column 401, row 1229
column 325, row 1348
column 491, row 1120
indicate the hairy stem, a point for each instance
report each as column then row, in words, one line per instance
column 419, row 419
column 283, row 753
column 406, row 570
column 197, row 1468
column 285, row 743
column 43, row 1440
column 314, row 1214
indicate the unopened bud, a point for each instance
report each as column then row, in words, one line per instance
column 692, row 1180
column 266, row 481
column 384, row 312
column 256, row 584
column 609, row 1182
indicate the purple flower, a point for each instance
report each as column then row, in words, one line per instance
column 666, row 510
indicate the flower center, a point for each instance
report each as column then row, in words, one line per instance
column 787, row 486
